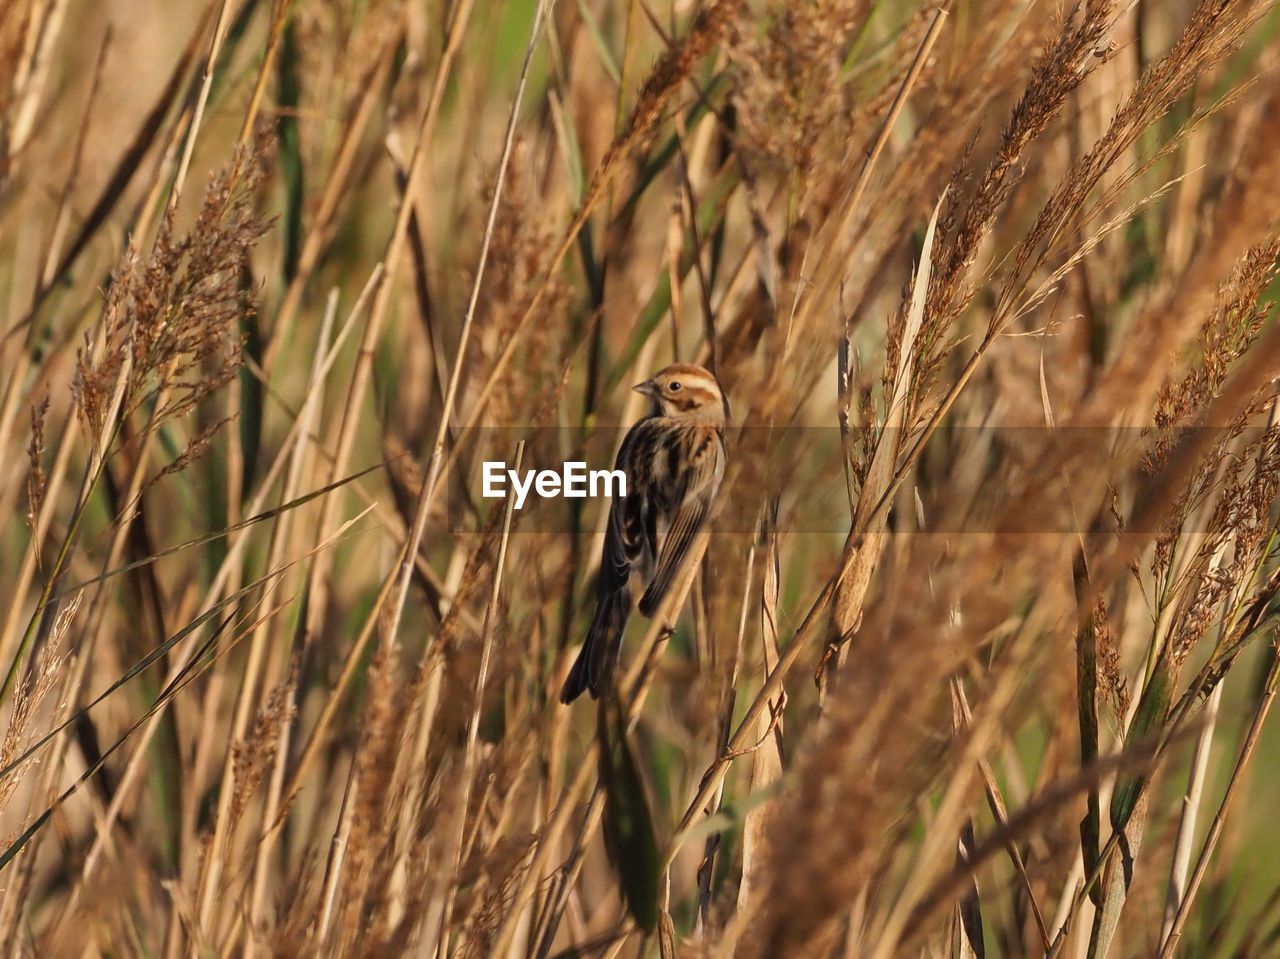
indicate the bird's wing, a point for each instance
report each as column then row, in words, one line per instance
column 624, row 543
column 624, row 538
column 695, row 495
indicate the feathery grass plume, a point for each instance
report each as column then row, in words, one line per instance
column 1226, row 334
column 196, row 447
column 520, row 255
column 1212, row 33
column 36, row 479
column 672, row 69
column 1230, row 549
column 170, row 326
column 372, row 821
column 792, row 101
column 45, row 674
column 1115, row 684
column 1078, row 50
column 252, row 756
column 962, row 78
column 24, row 67
column 857, row 782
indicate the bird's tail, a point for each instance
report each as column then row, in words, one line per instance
column 600, row 649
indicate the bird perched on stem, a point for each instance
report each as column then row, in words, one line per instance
column 673, row 460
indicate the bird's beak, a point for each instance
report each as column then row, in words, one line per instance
column 648, row 388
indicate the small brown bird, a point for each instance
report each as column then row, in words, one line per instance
column 674, row 460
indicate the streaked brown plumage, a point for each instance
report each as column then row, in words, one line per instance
column 674, row 460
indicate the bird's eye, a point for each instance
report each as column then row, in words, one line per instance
column 674, row 387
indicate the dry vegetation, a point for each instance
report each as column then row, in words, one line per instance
column 980, row 655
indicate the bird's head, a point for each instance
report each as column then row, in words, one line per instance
column 685, row 391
